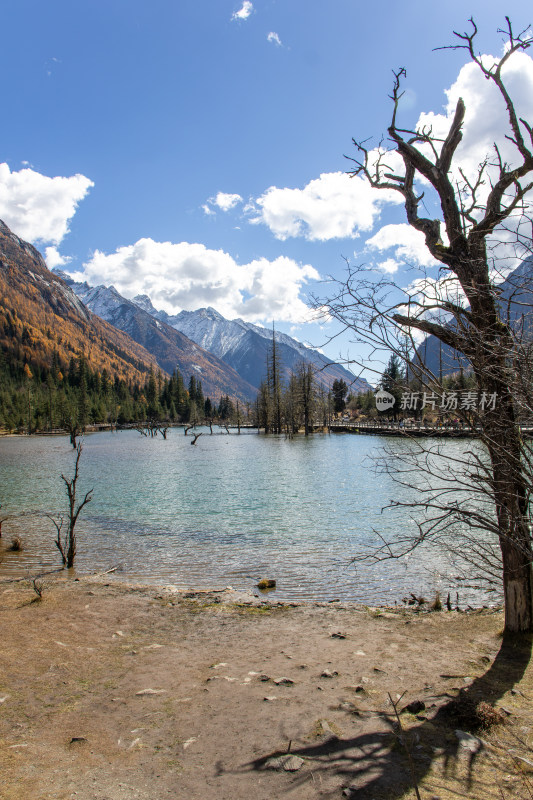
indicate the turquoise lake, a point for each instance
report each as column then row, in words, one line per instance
column 228, row 511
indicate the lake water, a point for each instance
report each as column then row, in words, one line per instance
column 228, row 511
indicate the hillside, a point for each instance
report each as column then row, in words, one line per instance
column 170, row 347
column 40, row 315
column 245, row 346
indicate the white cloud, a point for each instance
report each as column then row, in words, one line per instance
column 274, row 38
column 190, row 276
column 54, row 258
column 409, row 244
column 390, row 266
column 329, row 207
column 38, row 208
column 227, row 201
column 223, row 200
column 243, row 12
column 336, row 206
column 486, row 119
column 486, row 122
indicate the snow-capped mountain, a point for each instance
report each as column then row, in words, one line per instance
column 244, row 346
column 239, row 347
column 170, row 347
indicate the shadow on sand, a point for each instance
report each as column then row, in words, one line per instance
column 375, row 764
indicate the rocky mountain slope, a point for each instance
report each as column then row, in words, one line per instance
column 245, row 346
column 40, row 315
column 170, row 347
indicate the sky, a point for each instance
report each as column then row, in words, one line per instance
column 195, row 150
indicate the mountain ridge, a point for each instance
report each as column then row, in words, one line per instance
column 171, row 348
column 245, row 346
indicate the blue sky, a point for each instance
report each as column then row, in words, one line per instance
column 193, row 149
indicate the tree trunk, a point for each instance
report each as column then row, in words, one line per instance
column 517, row 586
column 502, row 436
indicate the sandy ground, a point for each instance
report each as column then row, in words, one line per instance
column 117, row 692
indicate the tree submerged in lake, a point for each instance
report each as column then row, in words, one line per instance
column 66, row 542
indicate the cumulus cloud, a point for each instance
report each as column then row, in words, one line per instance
column 408, row 244
column 486, row 122
column 38, row 208
column 274, row 38
column 390, row 266
column 335, row 206
column 190, row 276
column 486, row 119
column 54, row 258
column 243, row 12
column 329, row 207
column 223, row 200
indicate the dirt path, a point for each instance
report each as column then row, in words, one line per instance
column 112, row 692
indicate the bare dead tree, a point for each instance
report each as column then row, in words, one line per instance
column 66, row 544
column 151, row 428
column 196, row 437
column 462, row 309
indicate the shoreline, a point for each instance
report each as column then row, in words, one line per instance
column 140, row 692
column 253, row 595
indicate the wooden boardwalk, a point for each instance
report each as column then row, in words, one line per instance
column 416, row 429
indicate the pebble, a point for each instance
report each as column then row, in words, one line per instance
column 283, row 682
column 266, row 583
column 328, row 674
column 150, row 691
column 269, row 698
column 469, row 741
column 325, row 729
column 287, row 763
column 347, row 707
column 189, row 742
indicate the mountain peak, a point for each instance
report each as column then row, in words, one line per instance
column 144, row 302
column 209, row 313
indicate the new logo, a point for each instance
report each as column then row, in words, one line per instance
column 384, row 400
